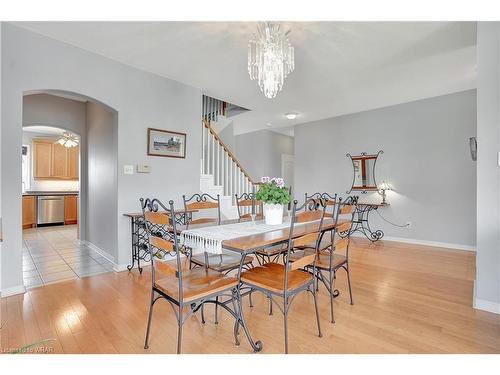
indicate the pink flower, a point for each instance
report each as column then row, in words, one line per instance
column 265, row 180
column 280, row 182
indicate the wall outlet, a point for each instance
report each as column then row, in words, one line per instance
column 128, row 169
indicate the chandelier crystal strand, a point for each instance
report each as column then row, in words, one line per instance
column 270, row 58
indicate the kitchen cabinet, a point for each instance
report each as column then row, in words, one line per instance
column 29, row 211
column 73, row 157
column 42, row 158
column 59, row 161
column 70, row 209
column 52, row 161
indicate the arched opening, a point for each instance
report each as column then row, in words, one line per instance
column 69, row 213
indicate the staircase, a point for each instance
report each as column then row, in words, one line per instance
column 221, row 172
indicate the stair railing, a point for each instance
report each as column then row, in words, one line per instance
column 218, row 160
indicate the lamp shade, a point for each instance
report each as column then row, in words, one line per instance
column 384, row 186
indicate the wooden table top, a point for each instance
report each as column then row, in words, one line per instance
column 258, row 241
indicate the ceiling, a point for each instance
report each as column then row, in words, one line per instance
column 42, row 129
column 340, row 67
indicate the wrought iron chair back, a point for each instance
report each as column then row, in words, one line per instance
column 160, row 245
column 246, row 202
column 301, row 215
column 329, row 201
column 345, row 210
column 202, row 202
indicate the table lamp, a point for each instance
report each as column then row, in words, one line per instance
column 382, row 189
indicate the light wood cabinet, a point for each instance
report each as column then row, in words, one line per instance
column 70, row 209
column 59, row 161
column 42, row 159
column 29, row 211
column 52, row 161
column 73, row 157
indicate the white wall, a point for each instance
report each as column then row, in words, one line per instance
column 102, row 178
column 426, row 160
column 487, row 288
column 34, row 62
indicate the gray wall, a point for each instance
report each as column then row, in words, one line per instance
column 260, row 152
column 50, row 110
column 487, row 294
column 426, row 160
column 34, row 62
column 228, row 137
column 102, row 180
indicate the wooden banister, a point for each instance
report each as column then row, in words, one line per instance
column 228, row 151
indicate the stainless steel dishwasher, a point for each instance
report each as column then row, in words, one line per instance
column 50, row 209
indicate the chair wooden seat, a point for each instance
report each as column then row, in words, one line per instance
column 222, row 262
column 322, row 260
column 196, row 283
column 271, row 276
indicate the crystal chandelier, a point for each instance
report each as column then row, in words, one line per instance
column 68, row 140
column 270, row 58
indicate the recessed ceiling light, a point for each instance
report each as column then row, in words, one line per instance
column 290, row 116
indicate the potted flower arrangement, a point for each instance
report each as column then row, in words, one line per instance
column 274, row 195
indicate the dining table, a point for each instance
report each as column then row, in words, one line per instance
column 245, row 245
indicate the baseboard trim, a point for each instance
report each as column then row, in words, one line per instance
column 20, row 289
column 98, row 250
column 492, row 307
column 120, row 267
column 446, row 245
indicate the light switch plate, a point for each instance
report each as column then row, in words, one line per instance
column 128, row 169
column 143, row 168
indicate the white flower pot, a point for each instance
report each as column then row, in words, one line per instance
column 273, row 213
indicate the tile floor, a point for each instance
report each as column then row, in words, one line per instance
column 52, row 254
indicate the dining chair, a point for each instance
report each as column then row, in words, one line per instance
column 328, row 201
column 247, row 204
column 285, row 281
column 327, row 198
column 180, row 288
column 224, row 262
column 335, row 256
column 202, row 203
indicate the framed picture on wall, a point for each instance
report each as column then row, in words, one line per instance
column 166, row 143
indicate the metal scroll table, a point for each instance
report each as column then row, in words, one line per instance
column 361, row 221
column 138, row 233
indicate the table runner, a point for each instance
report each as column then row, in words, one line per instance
column 209, row 239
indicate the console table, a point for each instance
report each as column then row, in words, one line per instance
column 138, row 233
column 361, row 220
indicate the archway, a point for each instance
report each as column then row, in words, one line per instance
column 92, row 121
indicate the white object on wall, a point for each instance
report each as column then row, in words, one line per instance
column 143, row 168
column 128, row 169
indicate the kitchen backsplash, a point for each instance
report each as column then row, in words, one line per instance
column 47, row 185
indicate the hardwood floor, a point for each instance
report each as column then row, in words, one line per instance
column 407, row 299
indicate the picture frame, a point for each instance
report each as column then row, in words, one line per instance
column 166, row 143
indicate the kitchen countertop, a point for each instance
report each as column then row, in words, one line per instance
column 50, row 193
